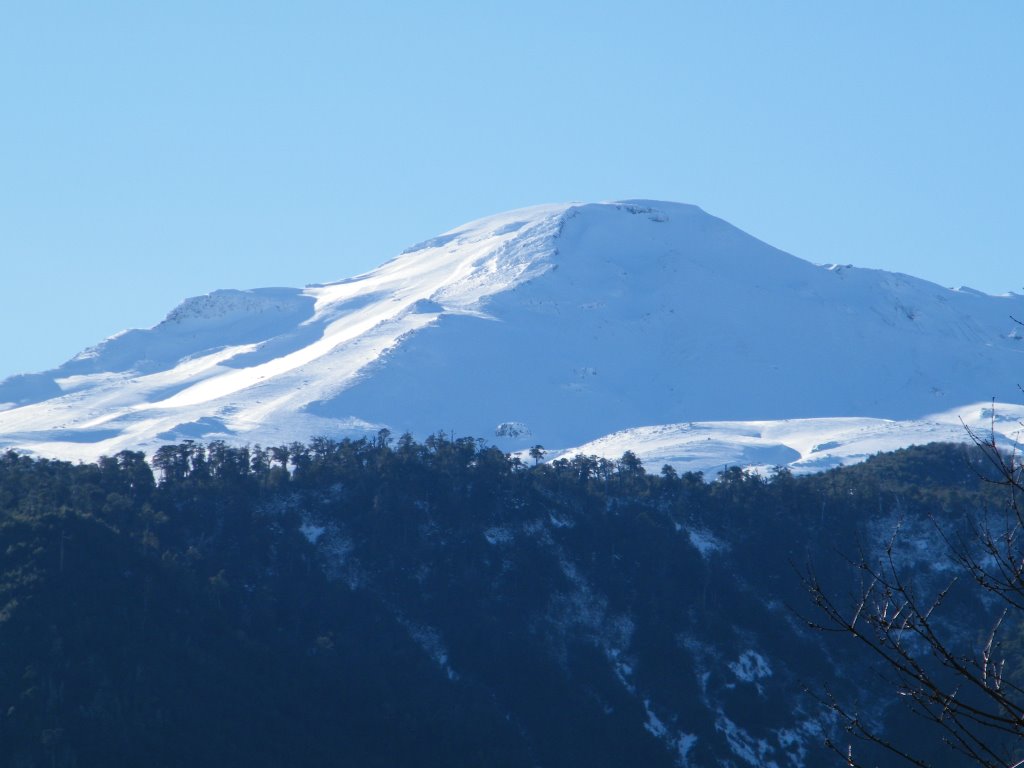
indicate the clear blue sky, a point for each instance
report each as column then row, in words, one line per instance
column 153, row 151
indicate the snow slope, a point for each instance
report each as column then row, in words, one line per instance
column 555, row 324
column 803, row 445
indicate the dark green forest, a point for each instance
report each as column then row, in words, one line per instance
column 388, row 602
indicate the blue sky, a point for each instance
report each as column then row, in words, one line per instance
column 150, row 152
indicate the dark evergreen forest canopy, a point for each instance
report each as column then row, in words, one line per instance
column 387, row 602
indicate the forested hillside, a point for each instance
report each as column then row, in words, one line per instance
column 386, row 602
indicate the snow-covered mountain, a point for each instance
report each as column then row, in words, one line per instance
column 557, row 325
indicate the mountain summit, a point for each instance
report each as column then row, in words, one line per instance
column 555, row 324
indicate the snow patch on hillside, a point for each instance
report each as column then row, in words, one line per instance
column 802, row 445
column 705, row 542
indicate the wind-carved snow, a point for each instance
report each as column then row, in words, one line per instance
column 636, row 325
column 353, row 324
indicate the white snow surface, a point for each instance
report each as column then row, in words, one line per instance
column 802, row 445
column 574, row 323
